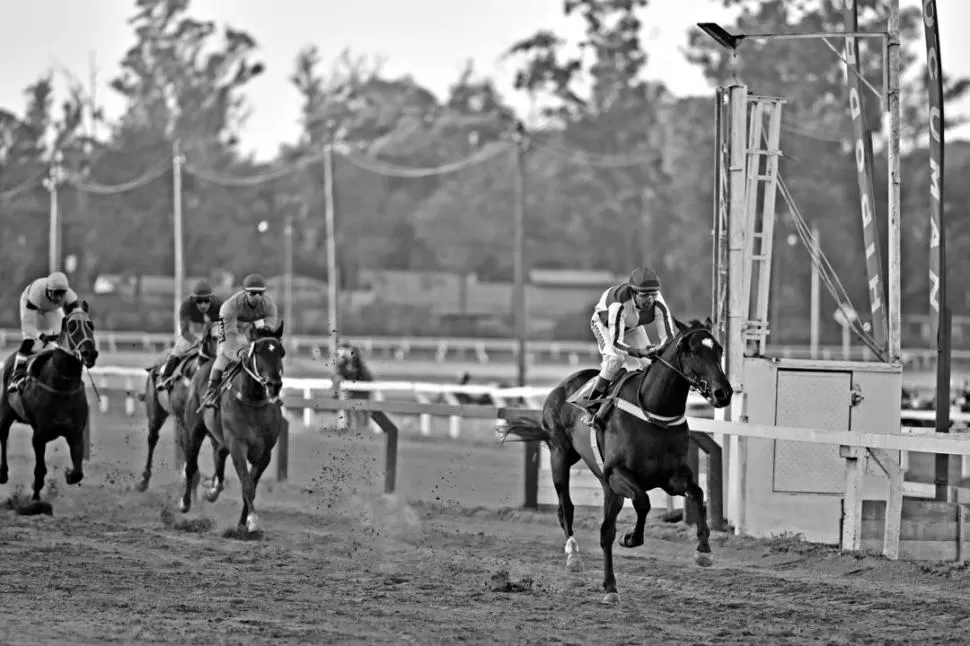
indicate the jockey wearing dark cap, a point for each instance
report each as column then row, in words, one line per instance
column 250, row 307
column 619, row 324
column 200, row 308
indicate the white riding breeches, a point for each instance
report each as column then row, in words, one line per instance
column 35, row 322
column 615, row 358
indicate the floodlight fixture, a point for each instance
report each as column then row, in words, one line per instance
column 732, row 42
column 721, row 35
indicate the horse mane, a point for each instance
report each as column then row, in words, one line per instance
column 693, row 324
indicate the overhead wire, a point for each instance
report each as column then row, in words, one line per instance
column 149, row 176
column 24, row 186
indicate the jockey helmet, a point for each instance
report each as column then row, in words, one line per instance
column 254, row 283
column 57, row 282
column 202, row 290
column 644, row 279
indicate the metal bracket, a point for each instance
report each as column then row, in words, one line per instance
column 856, row 396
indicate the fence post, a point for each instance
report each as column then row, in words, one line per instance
column 283, row 452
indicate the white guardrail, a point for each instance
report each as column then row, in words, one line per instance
column 132, row 382
column 469, row 349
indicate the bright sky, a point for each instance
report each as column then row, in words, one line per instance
column 429, row 39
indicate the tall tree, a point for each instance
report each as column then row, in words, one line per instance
column 182, row 79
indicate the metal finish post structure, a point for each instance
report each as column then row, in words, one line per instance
column 333, row 275
column 893, row 108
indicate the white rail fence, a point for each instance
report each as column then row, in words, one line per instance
column 481, row 351
column 132, row 382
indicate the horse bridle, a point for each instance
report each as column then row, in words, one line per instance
column 75, row 346
column 249, row 364
column 696, row 383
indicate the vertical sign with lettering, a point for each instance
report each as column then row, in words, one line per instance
column 863, row 164
column 937, row 238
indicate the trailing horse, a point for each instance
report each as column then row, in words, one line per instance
column 352, row 367
column 245, row 424
column 643, row 445
column 160, row 405
column 51, row 399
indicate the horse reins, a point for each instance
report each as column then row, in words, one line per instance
column 254, row 372
column 695, row 383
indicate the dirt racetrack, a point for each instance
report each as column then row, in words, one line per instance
column 449, row 559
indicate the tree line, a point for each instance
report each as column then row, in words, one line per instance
column 619, row 171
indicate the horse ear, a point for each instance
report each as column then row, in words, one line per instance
column 708, row 323
column 279, row 331
column 84, row 306
column 680, row 326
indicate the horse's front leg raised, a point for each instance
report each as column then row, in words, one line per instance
column 219, row 454
column 612, row 504
column 683, row 484
column 623, row 482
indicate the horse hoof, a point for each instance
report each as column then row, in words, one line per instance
column 252, row 524
column 212, row 495
column 183, row 505
column 703, row 559
column 574, row 563
column 611, row 599
column 73, row 478
column 629, row 540
column 142, row 486
column 3, row 477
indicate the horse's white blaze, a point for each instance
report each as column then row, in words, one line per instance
column 708, row 343
column 572, row 547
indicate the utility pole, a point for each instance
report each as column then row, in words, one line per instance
column 519, row 305
column 333, row 277
column 177, row 235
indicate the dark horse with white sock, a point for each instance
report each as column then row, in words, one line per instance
column 643, row 445
column 246, row 422
column 159, row 405
column 51, row 398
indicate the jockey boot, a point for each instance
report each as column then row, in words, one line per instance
column 212, row 393
column 166, row 373
column 17, row 374
column 599, row 390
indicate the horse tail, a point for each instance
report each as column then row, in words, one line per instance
column 526, row 429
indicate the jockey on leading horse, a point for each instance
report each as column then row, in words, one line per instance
column 250, row 307
column 619, row 324
column 199, row 309
column 43, row 304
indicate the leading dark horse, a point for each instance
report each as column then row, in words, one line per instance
column 245, row 424
column 159, row 405
column 52, row 400
column 643, row 445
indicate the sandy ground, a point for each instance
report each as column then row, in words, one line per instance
column 447, row 559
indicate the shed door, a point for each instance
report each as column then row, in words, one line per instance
column 811, row 399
